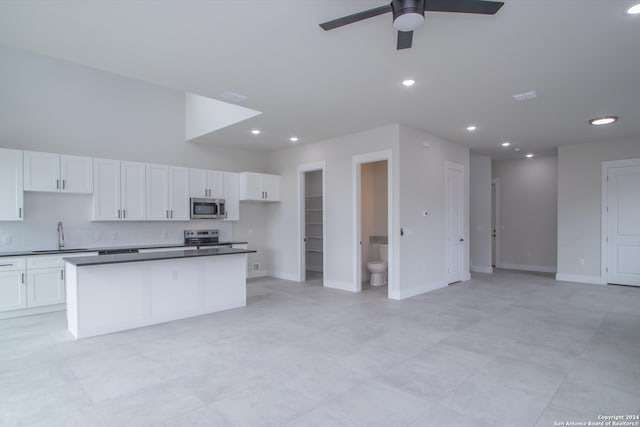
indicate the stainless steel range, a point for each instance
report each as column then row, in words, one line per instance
column 201, row 237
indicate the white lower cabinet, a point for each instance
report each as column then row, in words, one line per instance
column 45, row 286
column 12, row 284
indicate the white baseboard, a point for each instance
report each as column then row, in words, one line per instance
column 342, row 286
column 415, row 290
column 524, row 267
column 257, row 273
column 592, row 280
column 284, row 275
column 30, row 311
column 481, row 269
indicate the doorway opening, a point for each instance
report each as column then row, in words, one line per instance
column 312, row 231
column 495, row 222
column 372, row 223
column 454, row 222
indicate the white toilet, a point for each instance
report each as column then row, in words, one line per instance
column 378, row 269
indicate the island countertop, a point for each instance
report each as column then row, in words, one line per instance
column 84, row 261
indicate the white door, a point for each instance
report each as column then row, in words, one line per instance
column 133, row 201
column 41, row 171
column 232, row 196
column 11, row 185
column 179, row 194
column 45, row 286
column 454, row 219
column 623, row 225
column 198, row 183
column 12, row 290
column 157, row 192
column 106, row 194
column 76, row 174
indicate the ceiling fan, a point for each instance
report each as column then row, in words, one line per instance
column 409, row 14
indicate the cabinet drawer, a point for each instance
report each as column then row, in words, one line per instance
column 12, row 263
column 44, row 261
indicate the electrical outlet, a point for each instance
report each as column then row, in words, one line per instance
column 581, row 261
column 256, row 266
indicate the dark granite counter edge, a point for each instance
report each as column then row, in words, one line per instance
column 85, row 261
column 81, row 250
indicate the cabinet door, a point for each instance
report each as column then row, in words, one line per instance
column 271, row 185
column 11, row 185
column 132, row 187
column 76, row 174
column 157, row 192
column 198, row 183
column 179, row 194
column 215, row 183
column 251, row 186
column 41, row 171
column 12, row 290
column 106, row 194
column 45, row 286
column 232, row 196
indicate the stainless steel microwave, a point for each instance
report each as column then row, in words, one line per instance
column 202, row 208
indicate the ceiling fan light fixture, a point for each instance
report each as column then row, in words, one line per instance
column 408, row 15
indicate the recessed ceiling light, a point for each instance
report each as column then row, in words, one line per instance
column 472, row 128
column 634, row 10
column 256, row 131
column 506, row 144
column 528, row 156
column 408, row 82
column 607, row 120
column 293, row 139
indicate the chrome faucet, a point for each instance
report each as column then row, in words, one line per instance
column 60, row 236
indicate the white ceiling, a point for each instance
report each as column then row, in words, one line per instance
column 582, row 57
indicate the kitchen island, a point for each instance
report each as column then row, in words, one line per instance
column 109, row 293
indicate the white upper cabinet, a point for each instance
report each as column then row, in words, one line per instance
column 76, row 174
column 232, row 196
column 57, row 173
column 167, row 193
column 206, row 183
column 132, row 186
column 179, row 194
column 260, row 187
column 11, row 185
column 119, row 190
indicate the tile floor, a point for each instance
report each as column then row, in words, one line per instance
column 509, row 349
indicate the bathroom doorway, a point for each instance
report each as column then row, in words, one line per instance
column 372, row 222
column 312, row 233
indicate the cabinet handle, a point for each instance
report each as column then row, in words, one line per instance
column 22, row 278
column 266, row 194
column 118, row 213
column 167, row 214
column 57, row 184
column 20, row 213
column 6, row 265
column 61, row 274
column 172, row 214
column 124, row 213
column 64, row 184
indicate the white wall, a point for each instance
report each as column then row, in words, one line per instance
column 422, row 188
column 283, row 244
column 528, row 213
column 579, row 205
column 480, row 211
column 373, row 206
column 55, row 106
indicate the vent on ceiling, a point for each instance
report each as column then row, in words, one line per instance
column 233, row 97
column 525, row 96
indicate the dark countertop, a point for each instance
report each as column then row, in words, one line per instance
column 85, row 261
column 80, row 250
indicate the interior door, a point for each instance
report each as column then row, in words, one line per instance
column 454, row 218
column 623, row 225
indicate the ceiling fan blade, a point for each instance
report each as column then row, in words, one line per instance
column 405, row 38
column 330, row 25
column 463, row 6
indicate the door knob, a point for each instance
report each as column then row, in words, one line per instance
column 462, row 240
